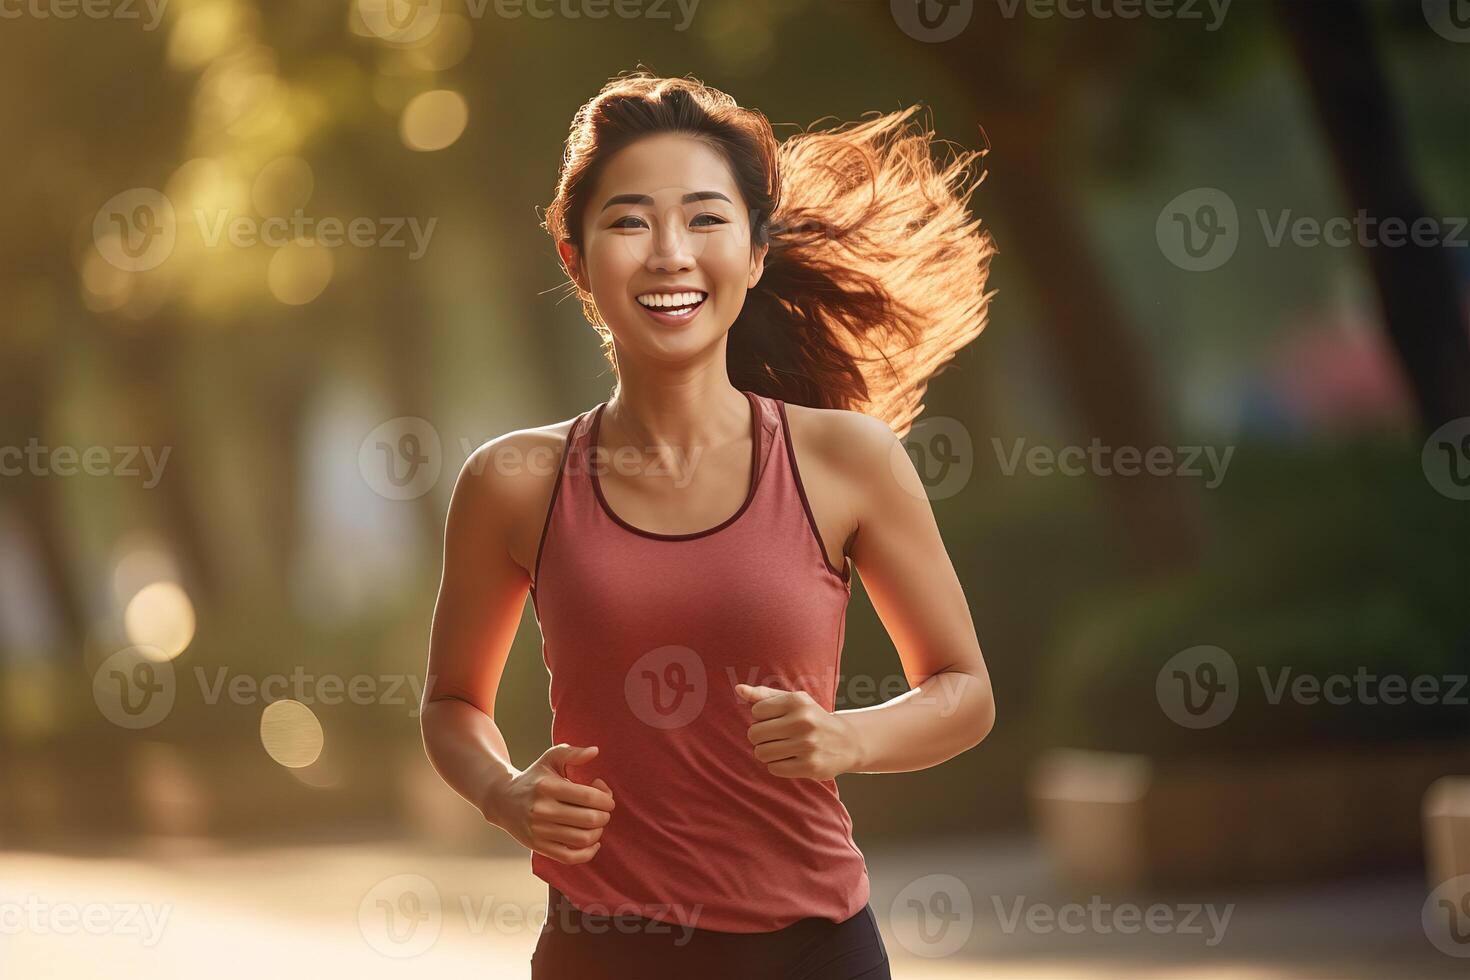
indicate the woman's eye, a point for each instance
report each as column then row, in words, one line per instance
column 634, row 221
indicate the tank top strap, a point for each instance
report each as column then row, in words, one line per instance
column 788, row 486
column 567, row 505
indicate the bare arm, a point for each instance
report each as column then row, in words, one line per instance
column 912, row 583
column 481, row 596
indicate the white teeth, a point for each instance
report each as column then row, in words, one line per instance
column 660, row 300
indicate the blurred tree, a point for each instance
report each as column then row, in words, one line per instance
column 1023, row 91
column 1417, row 283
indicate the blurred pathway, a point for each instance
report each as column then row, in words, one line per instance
column 382, row 910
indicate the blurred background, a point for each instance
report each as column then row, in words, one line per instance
column 271, row 271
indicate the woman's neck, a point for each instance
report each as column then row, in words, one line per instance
column 707, row 412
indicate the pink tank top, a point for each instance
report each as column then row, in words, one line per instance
column 645, row 636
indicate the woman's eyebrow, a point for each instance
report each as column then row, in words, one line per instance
column 646, row 199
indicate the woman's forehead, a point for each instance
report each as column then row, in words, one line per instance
column 666, row 165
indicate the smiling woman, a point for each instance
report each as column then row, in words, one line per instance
column 877, row 270
column 773, row 313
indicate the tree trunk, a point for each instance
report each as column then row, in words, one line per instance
column 1417, row 284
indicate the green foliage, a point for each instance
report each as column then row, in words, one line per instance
column 1338, row 562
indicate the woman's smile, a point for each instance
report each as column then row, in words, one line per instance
column 672, row 307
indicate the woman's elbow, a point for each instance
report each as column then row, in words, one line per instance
column 985, row 721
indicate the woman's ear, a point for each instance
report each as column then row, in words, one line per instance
column 757, row 264
column 572, row 262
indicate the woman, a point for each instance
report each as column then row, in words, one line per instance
column 772, row 313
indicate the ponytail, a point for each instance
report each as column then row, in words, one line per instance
column 876, row 273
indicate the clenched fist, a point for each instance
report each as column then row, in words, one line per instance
column 796, row 737
column 550, row 814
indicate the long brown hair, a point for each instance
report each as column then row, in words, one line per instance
column 876, row 272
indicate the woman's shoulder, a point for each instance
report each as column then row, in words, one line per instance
column 520, row 461
column 840, row 437
column 514, row 472
column 509, row 481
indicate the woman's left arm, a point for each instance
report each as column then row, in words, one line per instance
column 911, row 581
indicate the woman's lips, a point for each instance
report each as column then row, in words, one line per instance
column 672, row 316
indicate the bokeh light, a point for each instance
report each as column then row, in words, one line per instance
column 298, row 272
column 161, row 617
column 282, row 187
column 434, row 120
column 291, row 733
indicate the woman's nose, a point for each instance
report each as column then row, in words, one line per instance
column 671, row 245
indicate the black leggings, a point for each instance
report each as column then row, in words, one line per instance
column 584, row 946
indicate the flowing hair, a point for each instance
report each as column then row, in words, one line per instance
column 876, row 272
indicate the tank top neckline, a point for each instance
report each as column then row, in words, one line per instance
column 755, row 474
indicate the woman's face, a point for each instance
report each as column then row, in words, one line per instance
column 666, row 247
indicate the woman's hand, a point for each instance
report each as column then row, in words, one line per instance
column 550, row 814
column 796, row 737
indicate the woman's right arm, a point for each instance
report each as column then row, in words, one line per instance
column 481, row 597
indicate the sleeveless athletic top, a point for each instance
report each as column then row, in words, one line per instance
column 645, row 637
